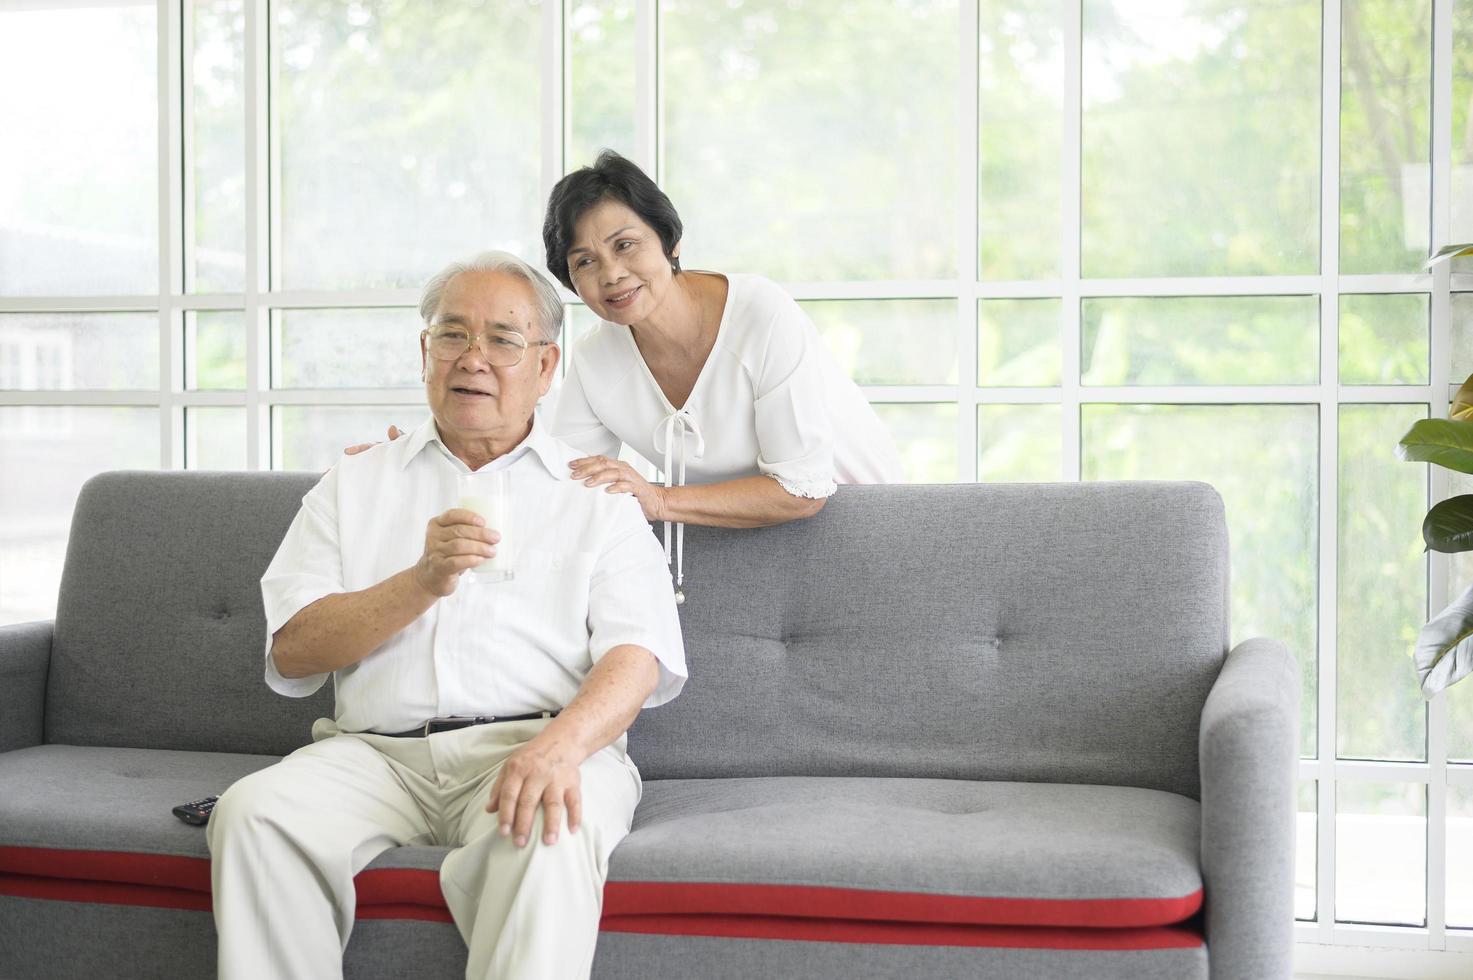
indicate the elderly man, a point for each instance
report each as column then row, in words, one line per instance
column 484, row 714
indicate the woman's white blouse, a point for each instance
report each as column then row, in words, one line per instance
column 770, row 400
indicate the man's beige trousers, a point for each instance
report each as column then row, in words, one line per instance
column 286, row 842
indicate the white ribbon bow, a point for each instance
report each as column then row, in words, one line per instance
column 674, row 428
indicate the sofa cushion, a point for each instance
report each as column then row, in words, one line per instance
column 160, row 635
column 787, row 857
column 57, row 843
column 910, row 850
column 1044, row 633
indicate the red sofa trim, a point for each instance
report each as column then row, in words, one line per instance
column 658, row 908
column 801, row 901
column 902, row 933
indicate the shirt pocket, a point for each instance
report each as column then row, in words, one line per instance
column 547, row 563
column 555, row 583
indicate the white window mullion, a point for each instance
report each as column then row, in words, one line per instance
column 177, row 302
column 257, row 231
column 966, row 245
column 343, row 396
column 646, row 88
column 554, row 87
column 1071, row 172
column 208, row 301
column 130, row 303
column 1373, row 771
column 187, row 156
column 171, row 231
column 148, row 398
column 1329, row 498
column 1438, row 563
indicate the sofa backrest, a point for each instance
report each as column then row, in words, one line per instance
column 1060, row 632
column 1063, row 632
column 160, row 635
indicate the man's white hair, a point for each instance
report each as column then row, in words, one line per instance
column 549, row 303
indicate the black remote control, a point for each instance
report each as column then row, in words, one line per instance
column 198, row 812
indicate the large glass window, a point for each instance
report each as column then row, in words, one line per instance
column 812, row 143
column 215, row 199
column 1385, row 122
column 79, row 183
column 408, row 134
column 58, row 447
column 1173, row 93
column 1271, row 506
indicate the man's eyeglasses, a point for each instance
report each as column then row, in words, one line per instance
column 500, row 348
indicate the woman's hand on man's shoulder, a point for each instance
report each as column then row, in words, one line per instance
column 394, row 433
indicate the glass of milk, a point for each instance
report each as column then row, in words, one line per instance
column 488, row 493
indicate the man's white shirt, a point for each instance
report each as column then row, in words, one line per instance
column 590, row 576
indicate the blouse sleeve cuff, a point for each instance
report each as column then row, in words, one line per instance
column 810, row 489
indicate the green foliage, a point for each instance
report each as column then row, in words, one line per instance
column 1271, row 505
column 1384, row 339
column 1446, row 442
column 1020, row 110
column 1171, row 100
column 1019, row 444
column 601, row 80
column 218, row 350
column 1200, row 340
column 216, row 146
column 1018, row 342
column 1444, row 653
column 890, row 342
column 814, row 139
column 406, row 139
column 1385, row 122
column 1449, row 525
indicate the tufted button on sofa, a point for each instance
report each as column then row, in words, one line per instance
column 981, row 731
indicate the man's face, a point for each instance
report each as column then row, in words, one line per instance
column 469, row 397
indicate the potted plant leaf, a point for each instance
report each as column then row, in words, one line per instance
column 1444, row 653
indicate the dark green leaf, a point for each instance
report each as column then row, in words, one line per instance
column 1449, row 525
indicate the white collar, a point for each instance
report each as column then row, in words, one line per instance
column 555, row 456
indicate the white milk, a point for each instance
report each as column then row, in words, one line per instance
column 488, row 495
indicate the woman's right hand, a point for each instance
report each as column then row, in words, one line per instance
column 394, row 433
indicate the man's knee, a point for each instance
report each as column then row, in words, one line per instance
column 252, row 803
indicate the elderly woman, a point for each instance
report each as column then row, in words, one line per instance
column 721, row 380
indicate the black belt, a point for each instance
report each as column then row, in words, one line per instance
column 451, row 724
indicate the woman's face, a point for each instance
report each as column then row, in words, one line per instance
column 617, row 263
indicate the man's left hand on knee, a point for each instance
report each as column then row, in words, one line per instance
column 539, row 773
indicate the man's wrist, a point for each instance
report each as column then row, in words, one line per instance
column 422, row 591
column 561, row 743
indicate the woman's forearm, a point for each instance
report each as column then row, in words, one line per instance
column 752, row 501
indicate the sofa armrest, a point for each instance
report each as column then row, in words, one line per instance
column 25, row 658
column 1248, row 747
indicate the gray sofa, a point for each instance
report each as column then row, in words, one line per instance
column 945, row 731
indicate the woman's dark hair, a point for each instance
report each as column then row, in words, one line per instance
column 610, row 177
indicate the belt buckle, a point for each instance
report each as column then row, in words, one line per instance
column 453, row 722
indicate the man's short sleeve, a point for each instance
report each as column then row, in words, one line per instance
column 631, row 600
column 307, row 566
